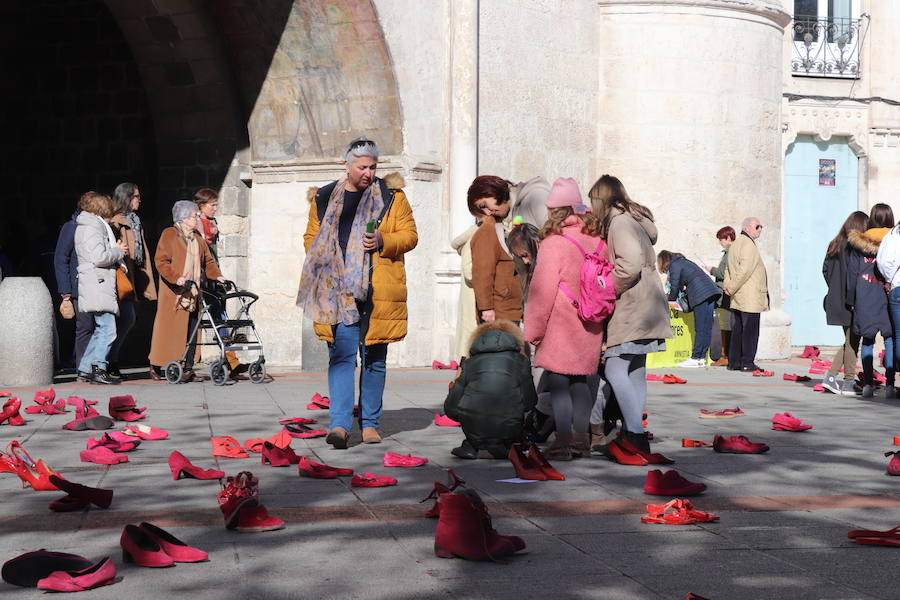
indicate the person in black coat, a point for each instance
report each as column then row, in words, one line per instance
column 700, row 294
column 65, row 263
column 867, row 297
column 493, row 392
column 837, row 312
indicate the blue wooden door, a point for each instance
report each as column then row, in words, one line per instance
column 820, row 191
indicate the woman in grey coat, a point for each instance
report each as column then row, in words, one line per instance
column 99, row 256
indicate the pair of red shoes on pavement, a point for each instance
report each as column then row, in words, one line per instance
column 239, row 503
column 45, row 402
column 147, row 545
column 671, row 483
column 667, row 378
column 633, row 449
column 15, row 459
column 530, row 464
column 109, row 448
column 737, row 444
column 58, row 571
column 677, row 512
column 437, row 365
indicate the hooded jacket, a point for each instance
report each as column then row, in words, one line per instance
column 865, row 284
column 834, row 270
column 494, row 389
column 97, row 263
column 642, row 312
column 387, row 320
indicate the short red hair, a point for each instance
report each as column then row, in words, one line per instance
column 726, row 233
column 487, row 186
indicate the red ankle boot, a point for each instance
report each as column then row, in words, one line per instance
column 278, row 457
column 464, row 530
column 453, row 482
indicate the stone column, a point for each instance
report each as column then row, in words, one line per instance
column 463, row 109
column 689, row 105
column 26, row 344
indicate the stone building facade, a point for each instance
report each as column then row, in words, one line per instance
column 695, row 104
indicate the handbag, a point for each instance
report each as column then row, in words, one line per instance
column 124, row 288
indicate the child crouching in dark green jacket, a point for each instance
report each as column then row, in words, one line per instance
column 493, row 392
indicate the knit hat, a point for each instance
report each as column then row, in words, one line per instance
column 183, row 209
column 564, row 193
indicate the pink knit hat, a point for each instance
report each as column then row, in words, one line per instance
column 565, row 192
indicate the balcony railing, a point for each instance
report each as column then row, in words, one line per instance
column 825, row 47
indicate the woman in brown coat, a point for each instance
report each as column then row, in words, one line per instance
column 498, row 293
column 181, row 257
column 127, row 226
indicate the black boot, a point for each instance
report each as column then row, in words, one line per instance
column 101, row 376
column 639, row 440
column 465, row 450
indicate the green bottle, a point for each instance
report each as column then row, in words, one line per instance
column 370, row 226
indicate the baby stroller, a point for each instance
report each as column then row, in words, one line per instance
column 212, row 315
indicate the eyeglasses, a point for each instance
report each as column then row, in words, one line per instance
column 757, row 227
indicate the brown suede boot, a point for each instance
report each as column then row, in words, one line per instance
column 598, row 438
column 581, row 445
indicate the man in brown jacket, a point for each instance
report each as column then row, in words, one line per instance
column 747, row 284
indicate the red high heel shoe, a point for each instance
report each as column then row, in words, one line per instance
column 138, row 547
column 525, row 466
column 182, row 467
column 171, row 545
column 278, row 457
column 535, row 454
column 652, row 458
column 617, row 453
column 240, row 492
column 36, row 474
column 453, row 482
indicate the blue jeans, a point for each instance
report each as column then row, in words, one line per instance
column 867, row 355
column 101, row 340
column 703, row 322
column 341, row 369
column 124, row 323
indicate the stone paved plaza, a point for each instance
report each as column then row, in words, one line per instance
column 782, row 534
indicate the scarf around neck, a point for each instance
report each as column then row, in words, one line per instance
column 330, row 286
column 134, row 221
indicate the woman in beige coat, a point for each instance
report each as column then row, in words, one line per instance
column 640, row 323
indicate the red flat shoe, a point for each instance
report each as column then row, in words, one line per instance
column 795, row 377
column 255, row 445
column 97, row 422
column 310, row 468
column 68, row 504
column 686, row 443
column 297, row 421
column 181, row 467
column 654, row 377
column 893, row 467
column 878, row 541
column 141, row 549
column 227, row 447
column 673, row 379
column 171, row 545
column 96, row 496
column 300, row 431
column 737, row 444
column 671, row 483
column 817, row 371
column 100, row 574
column 319, row 402
column 761, row 373
column 278, row 457
column 146, row 432
column 392, row 459
column 29, row 568
column 445, row 421
column 788, row 422
column 369, row 480
column 726, row 413
column 102, row 455
column 256, row 520
column 113, row 444
column 855, row 533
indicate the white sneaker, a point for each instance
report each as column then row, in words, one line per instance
column 692, row 363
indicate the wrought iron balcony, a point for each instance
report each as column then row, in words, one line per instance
column 826, row 47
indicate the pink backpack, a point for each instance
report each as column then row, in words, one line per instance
column 597, row 296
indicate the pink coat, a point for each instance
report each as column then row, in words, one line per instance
column 565, row 343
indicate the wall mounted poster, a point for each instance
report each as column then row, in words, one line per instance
column 826, row 171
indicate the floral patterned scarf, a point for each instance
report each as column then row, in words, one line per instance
column 329, row 286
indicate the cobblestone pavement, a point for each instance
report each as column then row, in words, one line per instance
column 782, row 533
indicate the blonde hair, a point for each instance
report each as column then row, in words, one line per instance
column 97, row 204
column 556, row 216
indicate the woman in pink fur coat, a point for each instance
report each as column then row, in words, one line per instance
column 567, row 347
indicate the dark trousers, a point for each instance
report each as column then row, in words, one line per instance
column 84, row 329
column 744, row 339
column 703, row 325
